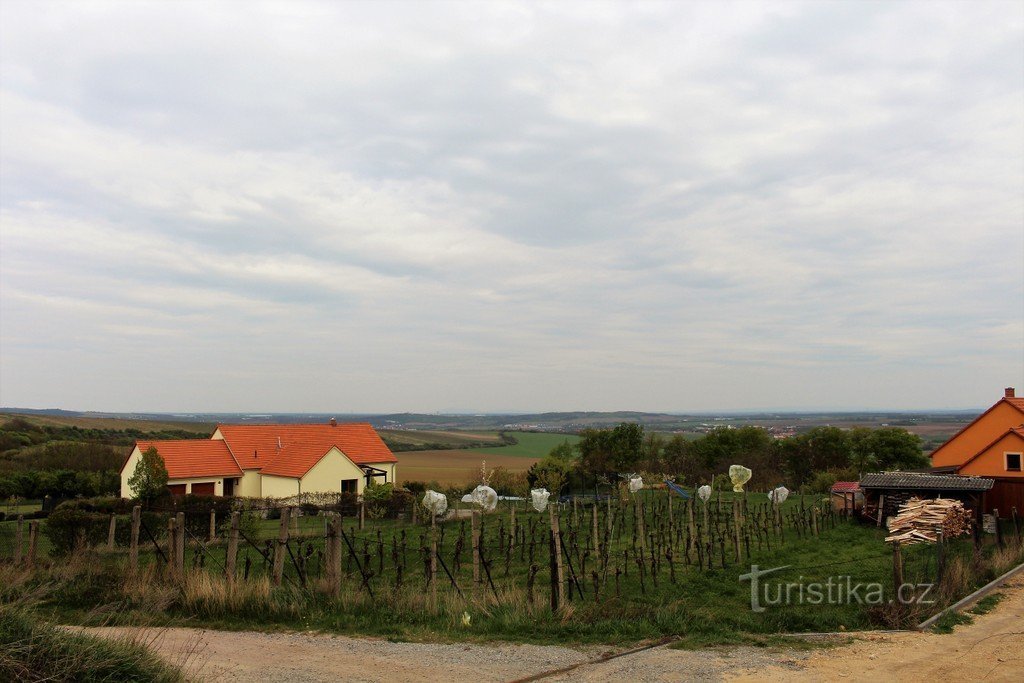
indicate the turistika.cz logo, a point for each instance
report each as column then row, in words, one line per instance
column 835, row 590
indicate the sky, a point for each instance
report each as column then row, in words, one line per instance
column 510, row 206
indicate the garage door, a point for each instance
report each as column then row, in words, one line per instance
column 176, row 489
column 205, row 489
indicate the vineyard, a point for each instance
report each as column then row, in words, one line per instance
column 599, row 568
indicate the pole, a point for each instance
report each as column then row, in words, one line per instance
column 179, row 551
column 17, row 539
column 213, row 524
column 282, row 542
column 33, row 528
column 111, row 530
column 133, row 551
column 232, row 557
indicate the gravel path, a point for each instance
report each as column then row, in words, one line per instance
column 989, row 649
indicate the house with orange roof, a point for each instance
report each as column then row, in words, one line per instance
column 271, row 460
column 992, row 445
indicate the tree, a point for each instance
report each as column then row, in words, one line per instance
column 149, row 480
column 609, row 451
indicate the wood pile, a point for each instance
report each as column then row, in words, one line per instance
column 918, row 520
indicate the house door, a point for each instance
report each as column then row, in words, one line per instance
column 176, row 489
column 229, row 487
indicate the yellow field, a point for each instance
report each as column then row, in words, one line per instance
column 454, row 466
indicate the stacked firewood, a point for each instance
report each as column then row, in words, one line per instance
column 918, row 521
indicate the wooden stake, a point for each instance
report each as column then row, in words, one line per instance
column 334, row 555
column 881, row 510
column 557, row 536
column 110, row 531
column 280, row 550
column 179, row 551
column 897, row 567
column 172, row 545
column 433, row 560
column 213, row 524
column 476, row 549
column 133, row 548
column 232, row 557
column 594, row 520
column 362, row 515
column 17, row 539
column 33, row 528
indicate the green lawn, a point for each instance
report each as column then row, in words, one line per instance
column 530, row 444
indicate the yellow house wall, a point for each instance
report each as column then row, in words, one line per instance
column 278, row 487
column 127, row 471
column 992, row 463
column 326, row 475
column 251, row 484
column 976, row 436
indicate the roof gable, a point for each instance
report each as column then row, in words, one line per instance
column 190, row 458
column 1018, row 432
column 1016, row 403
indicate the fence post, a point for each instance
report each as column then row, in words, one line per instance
column 17, row 539
column 594, row 530
column 213, row 524
column 999, row 528
column 279, row 551
column 362, row 514
column 179, row 552
column 133, row 548
column 736, row 524
column 334, row 555
column 940, row 555
column 33, row 528
column 232, row 557
column 1016, row 523
column 897, row 568
column 111, row 530
column 814, row 520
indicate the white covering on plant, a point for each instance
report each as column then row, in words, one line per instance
column 435, row 502
column 739, row 475
column 539, row 498
column 778, row 495
column 704, row 492
column 484, row 496
column 635, row 484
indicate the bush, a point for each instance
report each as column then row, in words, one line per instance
column 86, row 522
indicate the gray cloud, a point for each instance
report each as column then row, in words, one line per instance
column 383, row 206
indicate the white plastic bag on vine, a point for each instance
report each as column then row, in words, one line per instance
column 635, row 484
column 539, row 498
column 739, row 475
column 778, row 495
column 704, row 492
column 485, row 497
column 436, row 503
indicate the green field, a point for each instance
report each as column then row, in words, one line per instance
column 530, row 444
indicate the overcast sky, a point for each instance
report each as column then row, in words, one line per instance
column 488, row 206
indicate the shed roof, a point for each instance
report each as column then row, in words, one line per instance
column 846, row 486
column 925, row 482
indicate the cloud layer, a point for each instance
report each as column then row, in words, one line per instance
column 509, row 206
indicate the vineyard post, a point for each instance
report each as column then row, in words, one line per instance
column 557, row 536
column 476, row 549
column 232, row 556
column 282, row 542
column 172, row 564
column 334, row 555
column 999, row 528
column 594, row 519
column 362, row 514
column 881, row 510
column 940, row 556
column 133, row 551
column 433, row 560
column 33, row 528
column 110, row 531
column 814, row 519
column 213, row 524
column 1016, row 523
column 179, row 550
column 17, row 539
column 736, row 524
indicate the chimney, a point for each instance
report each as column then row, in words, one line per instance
column 1009, row 392
column 278, row 443
column 334, row 423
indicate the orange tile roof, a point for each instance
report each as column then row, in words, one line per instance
column 291, row 450
column 186, row 458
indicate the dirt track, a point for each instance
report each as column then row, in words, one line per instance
column 988, row 650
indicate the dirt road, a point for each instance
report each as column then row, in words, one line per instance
column 987, row 650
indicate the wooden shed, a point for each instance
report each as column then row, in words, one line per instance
column 886, row 491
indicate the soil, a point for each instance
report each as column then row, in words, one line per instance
column 986, row 650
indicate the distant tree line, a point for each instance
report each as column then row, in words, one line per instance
column 813, row 460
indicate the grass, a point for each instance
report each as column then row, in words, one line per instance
column 987, row 603
column 702, row 606
column 530, row 444
column 31, row 650
column 950, row 620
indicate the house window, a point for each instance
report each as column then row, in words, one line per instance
column 1013, row 462
column 349, row 485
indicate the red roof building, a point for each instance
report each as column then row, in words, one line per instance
column 272, row 460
